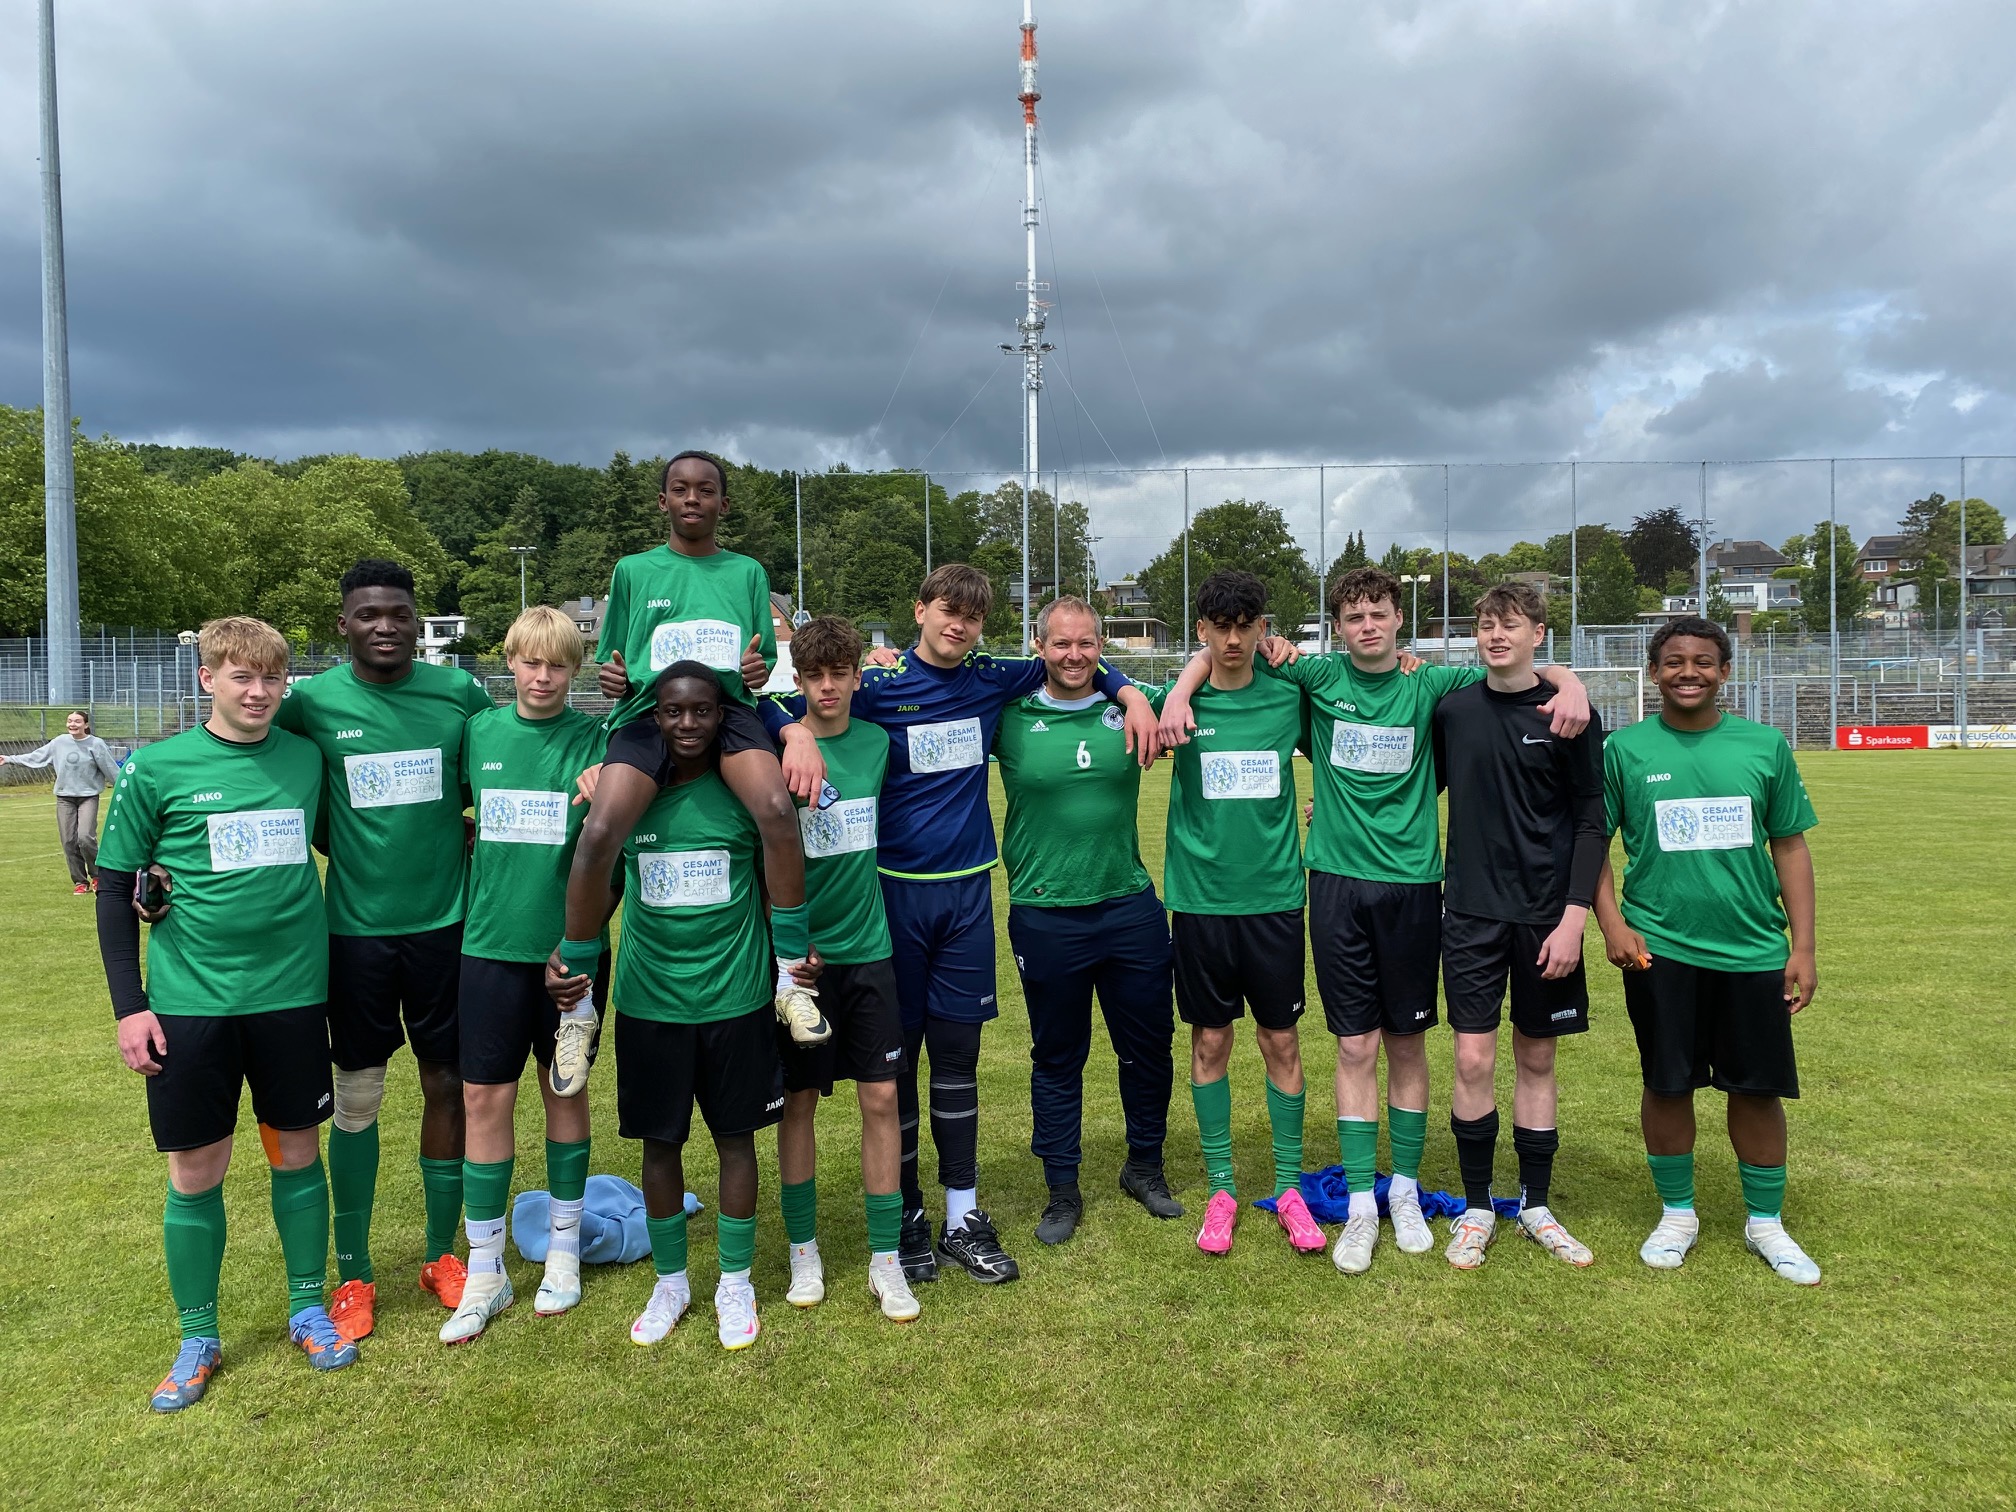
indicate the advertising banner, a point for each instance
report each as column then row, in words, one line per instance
column 1999, row 737
column 1882, row 738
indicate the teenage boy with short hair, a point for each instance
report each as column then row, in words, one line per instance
column 1083, row 916
column 694, row 1019
column 390, row 732
column 857, row 980
column 691, row 599
column 1714, row 817
column 1232, row 879
column 519, row 762
column 941, row 703
column 1526, row 844
column 237, row 971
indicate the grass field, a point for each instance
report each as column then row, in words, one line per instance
column 1124, row 1369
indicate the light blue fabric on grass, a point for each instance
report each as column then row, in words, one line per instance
column 1329, row 1198
column 612, row 1222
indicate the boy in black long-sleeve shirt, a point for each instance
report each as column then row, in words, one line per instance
column 1526, row 844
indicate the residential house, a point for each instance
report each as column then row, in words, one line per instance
column 438, row 632
column 1883, row 563
column 1747, row 571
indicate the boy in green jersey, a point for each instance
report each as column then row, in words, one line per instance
column 694, row 1021
column 236, row 974
column 1082, row 914
column 1375, row 885
column 1716, row 868
column 690, row 600
column 857, row 978
column 390, row 732
column 1232, row 877
column 519, row 762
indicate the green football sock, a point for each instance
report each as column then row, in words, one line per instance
column 1213, row 1101
column 486, row 1188
column 441, row 1183
column 192, row 1234
column 1358, row 1145
column 668, row 1243
column 1673, row 1175
column 800, row 1201
column 736, row 1240
column 353, row 1182
column 1406, row 1132
column 1763, row 1189
column 1284, row 1118
column 301, row 1214
column 885, row 1222
column 567, row 1170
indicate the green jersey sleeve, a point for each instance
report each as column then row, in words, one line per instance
column 132, row 822
column 1787, row 810
column 1613, row 788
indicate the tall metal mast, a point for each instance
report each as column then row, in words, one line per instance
column 1032, row 346
column 59, row 483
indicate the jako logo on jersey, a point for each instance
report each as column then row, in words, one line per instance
column 1660, row 777
column 1206, row 732
column 658, row 603
column 1039, row 725
column 206, row 797
column 493, row 766
column 349, row 734
column 642, row 839
column 909, row 708
column 1347, row 708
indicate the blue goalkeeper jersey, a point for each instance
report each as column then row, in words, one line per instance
column 934, row 821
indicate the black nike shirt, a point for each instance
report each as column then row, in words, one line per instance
column 1526, row 834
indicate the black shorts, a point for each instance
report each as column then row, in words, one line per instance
column 1479, row 955
column 372, row 977
column 1377, row 947
column 506, row 1012
column 641, row 744
column 859, row 1001
column 729, row 1067
column 282, row 1054
column 1222, row 959
column 1702, row 1028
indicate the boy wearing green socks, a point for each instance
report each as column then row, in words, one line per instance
column 519, row 763
column 237, row 973
column 1714, row 815
column 857, row 982
column 1232, row 879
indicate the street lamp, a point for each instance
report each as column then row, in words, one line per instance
column 522, row 552
column 1414, row 614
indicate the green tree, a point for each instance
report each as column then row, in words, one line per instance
column 1251, row 536
column 490, row 585
column 1660, row 543
column 1353, row 555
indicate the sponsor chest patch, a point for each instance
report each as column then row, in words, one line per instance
column 391, row 778
column 258, row 837
column 1697, row 824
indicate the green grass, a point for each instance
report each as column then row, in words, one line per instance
column 1124, row 1369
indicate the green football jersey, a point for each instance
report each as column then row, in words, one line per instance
column 664, row 607
column 231, row 824
column 842, row 886
column 391, row 754
column 520, row 774
column 1233, row 843
column 1699, row 809
column 694, row 946
column 1370, row 744
column 1072, row 789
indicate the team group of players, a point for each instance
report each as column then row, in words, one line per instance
column 806, row 896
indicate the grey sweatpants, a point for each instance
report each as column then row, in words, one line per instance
column 77, row 824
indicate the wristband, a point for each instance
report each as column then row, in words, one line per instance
column 580, row 957
column 791, row 932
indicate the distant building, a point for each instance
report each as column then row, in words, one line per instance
column 1882, row 564
column 587, row 616
column 438, row 632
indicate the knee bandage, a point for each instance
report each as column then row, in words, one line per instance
column 358, row 1095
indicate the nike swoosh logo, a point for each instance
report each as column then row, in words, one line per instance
column 1529, row 740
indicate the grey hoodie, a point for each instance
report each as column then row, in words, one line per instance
column 83, row 767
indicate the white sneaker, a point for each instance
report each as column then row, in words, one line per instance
column 1410, row 1229
column 798, row 1012
column 889, row 1286
column 735, row 1305
column 669, row 1300
column 1469, row 1236
column 1545, row 1230
column 560, row 1287
column 808, row 1276
column 573, row 1041
column 1667, row 1245
column 1767, row 1239
column 1352, row 1254
column 486, row 1294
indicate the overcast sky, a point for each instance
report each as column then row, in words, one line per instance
column 1278, row 233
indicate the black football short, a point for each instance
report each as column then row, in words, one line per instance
column 1479, row 958
column 281, row 1054
column 859, row 1001
column 729, row 1067
column 374, row 978
column 1702, row 1028
column 507, row 1014
column 1377, row 946
column 641, row 744
column 1225, row 963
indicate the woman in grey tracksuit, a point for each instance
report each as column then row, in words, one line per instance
column 84, row 766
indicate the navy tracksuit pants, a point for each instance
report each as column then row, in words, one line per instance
column 1120, row 949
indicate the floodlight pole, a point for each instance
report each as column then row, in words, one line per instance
column 1833, row 624
column 59, row 477
column 1322, row 562
column 1574, row 566
column 1960, row 632
column 1704, row 540
column 798, row 506
column 522, row 552
column 1056, row 536
column 1032, row 345
column 1445, row 564
column 927, row 524
column 1186, row 564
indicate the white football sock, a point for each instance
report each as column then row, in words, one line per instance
column 785, row 981
column 959, row 1201
column 1364, row 1205
column 1403, row 1186
column 486, row 1245
column 564, row 1233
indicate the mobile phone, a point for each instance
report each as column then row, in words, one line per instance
column 150, row 889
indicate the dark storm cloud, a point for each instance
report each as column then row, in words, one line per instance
column 1375, row 231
